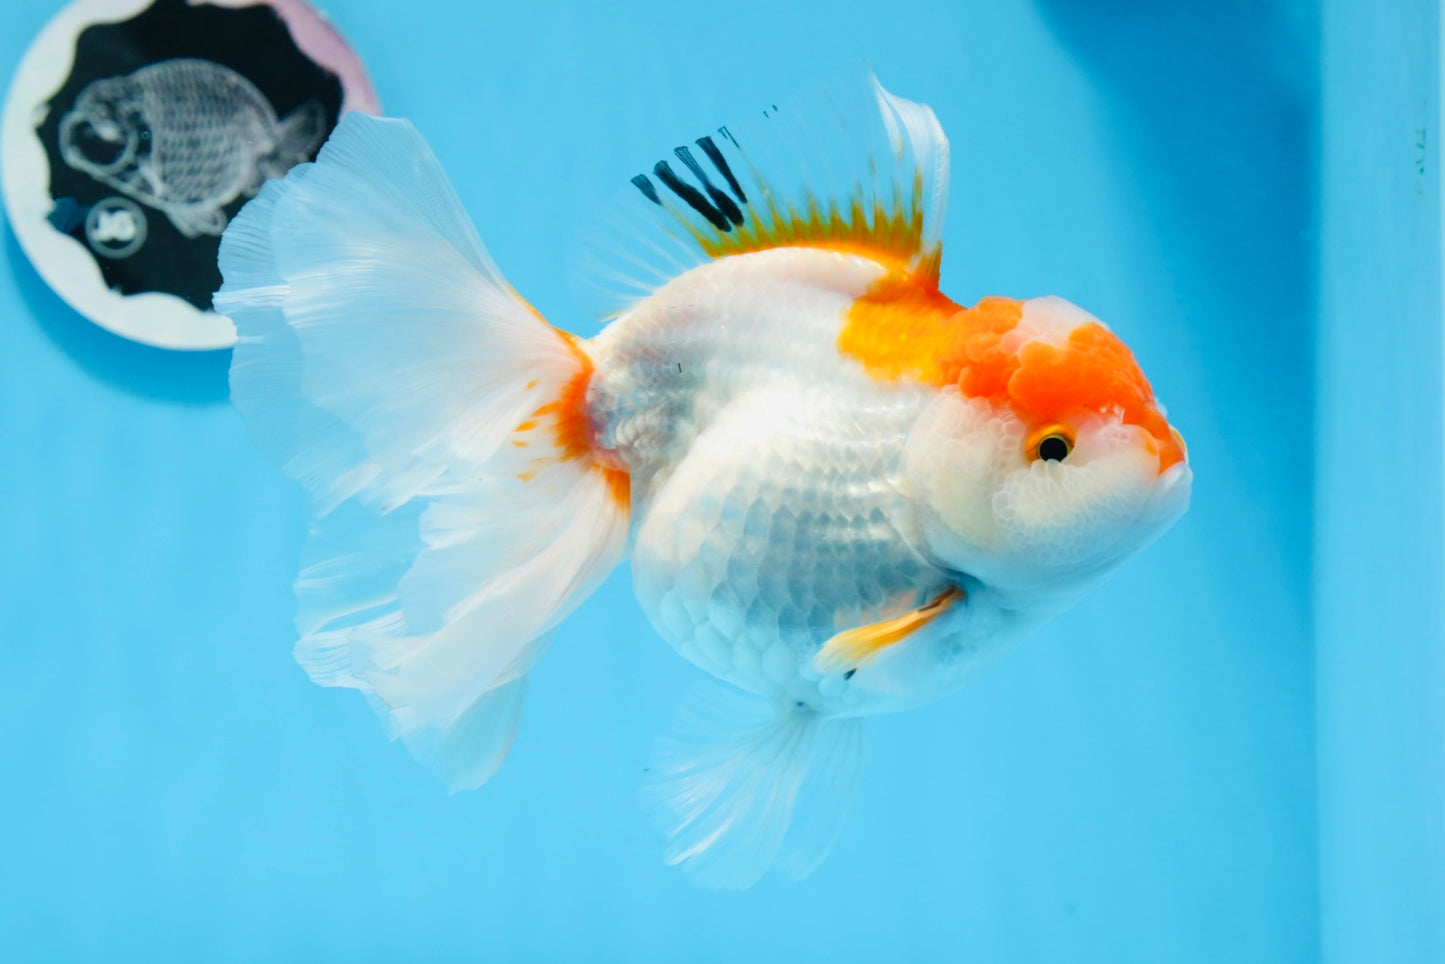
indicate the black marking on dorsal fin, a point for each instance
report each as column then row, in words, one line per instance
column 648, row 191
column 718, row 161
column 715, row 199
column 725, row 204
column 691, row 196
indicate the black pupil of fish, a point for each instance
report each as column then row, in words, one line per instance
column 1054, row 448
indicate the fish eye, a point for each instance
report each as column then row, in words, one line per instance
column 1053, row 444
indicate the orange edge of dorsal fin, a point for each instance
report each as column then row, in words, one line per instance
column 890, row 233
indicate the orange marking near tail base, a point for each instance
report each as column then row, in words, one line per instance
column 572, row 429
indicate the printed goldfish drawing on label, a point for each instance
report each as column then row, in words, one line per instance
column 839, row 491
column 186, row 137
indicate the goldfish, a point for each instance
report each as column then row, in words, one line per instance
column 839, row 491
column 186, row 137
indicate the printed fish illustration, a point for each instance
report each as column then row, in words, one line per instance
column 840, row 491
column 186, row 137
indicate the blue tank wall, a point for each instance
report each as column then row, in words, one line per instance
column 1135, row 784
column 1379, row 567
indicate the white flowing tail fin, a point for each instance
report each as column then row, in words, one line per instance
column 437, row 419
column 745, row 785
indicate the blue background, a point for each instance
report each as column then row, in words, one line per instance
column 1138, row 783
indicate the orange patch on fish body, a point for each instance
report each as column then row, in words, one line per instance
column 903, row 327
column 1093, row 372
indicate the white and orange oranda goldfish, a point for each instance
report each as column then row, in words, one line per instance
column 839, row 490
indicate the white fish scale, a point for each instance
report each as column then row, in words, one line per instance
column 670, row 364
column 761, row 463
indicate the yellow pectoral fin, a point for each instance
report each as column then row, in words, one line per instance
column 853, row 647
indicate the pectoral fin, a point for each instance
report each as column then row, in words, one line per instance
column 853, row 647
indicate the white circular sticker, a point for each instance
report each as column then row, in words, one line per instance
column 134, row 131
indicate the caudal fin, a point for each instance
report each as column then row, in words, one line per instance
column 298, row 134
column 745, row 785
column 385, row 363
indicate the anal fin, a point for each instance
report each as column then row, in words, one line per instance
column 744, row 785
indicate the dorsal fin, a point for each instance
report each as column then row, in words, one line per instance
column 850, row 167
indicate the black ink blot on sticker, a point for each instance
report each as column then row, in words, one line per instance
column 167, row 125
